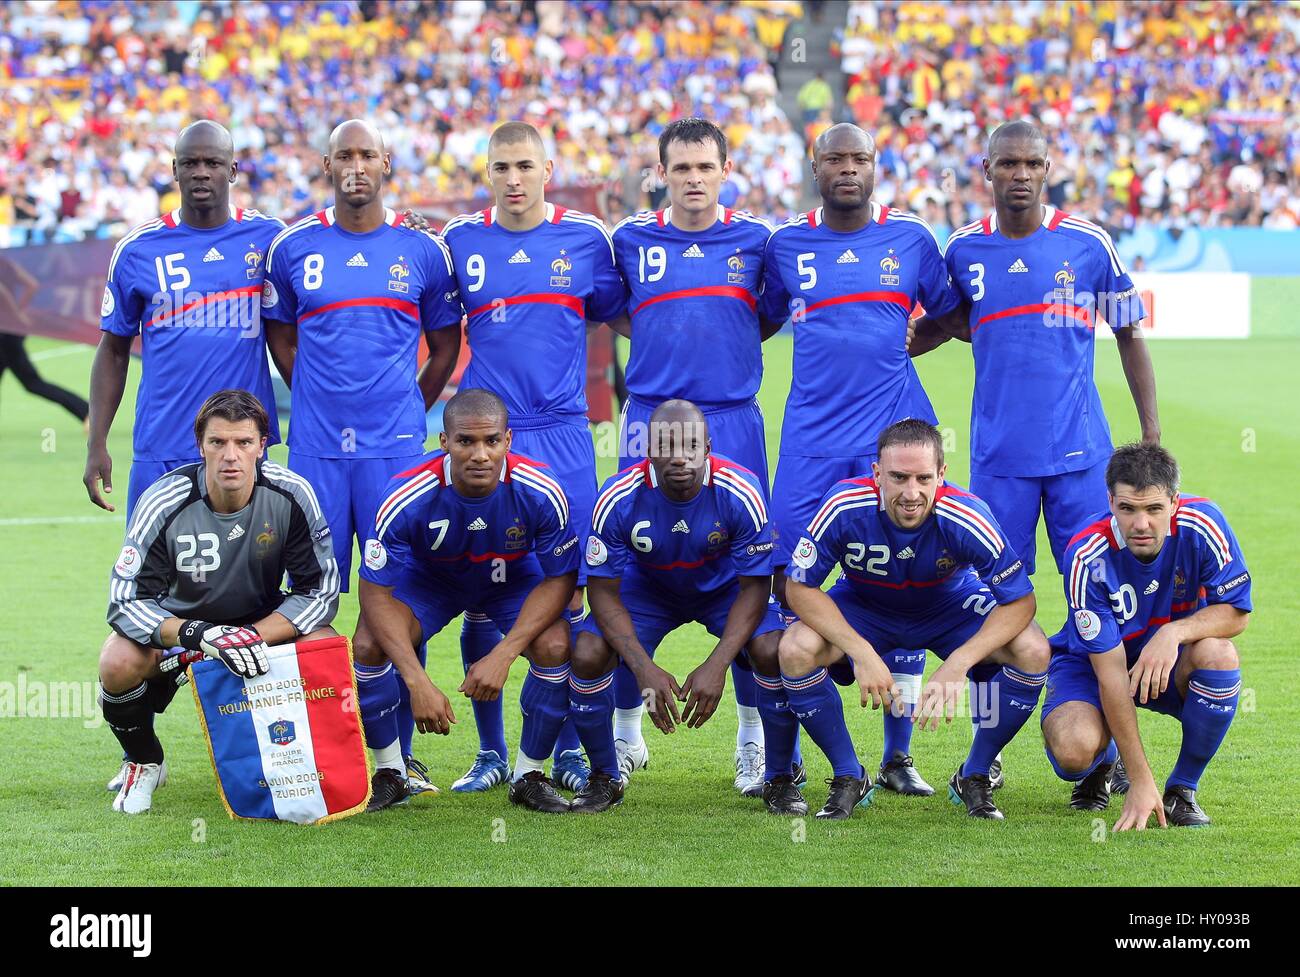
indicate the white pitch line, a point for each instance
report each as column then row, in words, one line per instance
column 49, row 354
column 58, row 520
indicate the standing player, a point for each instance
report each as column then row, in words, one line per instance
column 848, row 274
column 205, row 554
column 532, row 274
column 682, row 536
column 693, row 272
column 1034, row 281
column 188, row 283
column 473, row 525
column 924, row 565
column 1156, row 589
column 349, row 291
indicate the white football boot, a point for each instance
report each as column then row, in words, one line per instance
column 750, row 766
column 119, row 778
column 631, row 758
column 136, row 795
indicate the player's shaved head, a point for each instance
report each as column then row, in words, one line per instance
column 843, row 137
column 356, row 130
column 677, row 412
column 477, row 404
column 1016, row 130
column 514, row 133
column 205, row 134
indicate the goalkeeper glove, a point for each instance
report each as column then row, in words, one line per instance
column 240, row 649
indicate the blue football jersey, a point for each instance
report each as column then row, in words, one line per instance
column 528, row 296
column 1034, row 304
column 681, row 548
column 428, row 535
column 694, row 306
column 1114, row 597
column 850, row 295
column 192, row 295
column 360, row 302
column 908, row 572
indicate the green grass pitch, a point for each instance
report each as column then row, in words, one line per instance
column 1231, row 414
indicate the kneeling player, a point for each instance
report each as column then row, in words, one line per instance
column 206, row 549
column 1166, row 569
column 925, row 566
column 682, row 536
column 471, row 526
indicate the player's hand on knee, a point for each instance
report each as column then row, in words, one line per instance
column 1141, row 801
column 486, row 678
column 240, row 649
column 1149, row 677
column 431, row 709
column 703, row 690
column 174, row 666
column 660, row 692
column 875, row 683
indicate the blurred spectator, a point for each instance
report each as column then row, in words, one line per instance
column 1165, row 113
column 97, row 90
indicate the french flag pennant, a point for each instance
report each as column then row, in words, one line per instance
column 287, row 745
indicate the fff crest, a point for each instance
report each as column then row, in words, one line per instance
column 398, row 272
column 889, row 266
column 282, row 732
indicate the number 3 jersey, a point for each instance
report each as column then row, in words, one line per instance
column 1114, row 597
column 429, row 535
column 182, row 559
column 902, row 571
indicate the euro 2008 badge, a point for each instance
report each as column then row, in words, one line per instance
column 1088, row 623
column 376, row 555
column 128, row 562
column 596, row 552
column 107, row 305
column 805, row 554
column 269, row 295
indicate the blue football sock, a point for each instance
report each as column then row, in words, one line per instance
column 544, row 702
column 377, row 694
column 742, row 680
column 478, row 636
column 1207, row 713
column 627, row 693
column 405, row 720
column 569, row 738
column 907, row 667
column 816, row 702
column 1007, row 700
column 780, row 727
column 591, row 715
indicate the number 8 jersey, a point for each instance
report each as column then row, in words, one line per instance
column 912, row 572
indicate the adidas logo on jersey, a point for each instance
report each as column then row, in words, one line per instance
column 693, row 252
column 1152, row 587
column 1018, row 267
column 681, row 527
column 213, row 255
column 519, row 258
column 478, row 524
column 235, row 533
column 847, row 258
column 906, row 554
column 358, row 260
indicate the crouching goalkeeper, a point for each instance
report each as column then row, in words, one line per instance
column 207, row 548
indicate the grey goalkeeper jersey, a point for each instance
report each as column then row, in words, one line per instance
column 181, row 559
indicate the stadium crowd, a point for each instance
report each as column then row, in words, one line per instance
column 1171, row 114
column 92, row 143
column 1168, row 113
